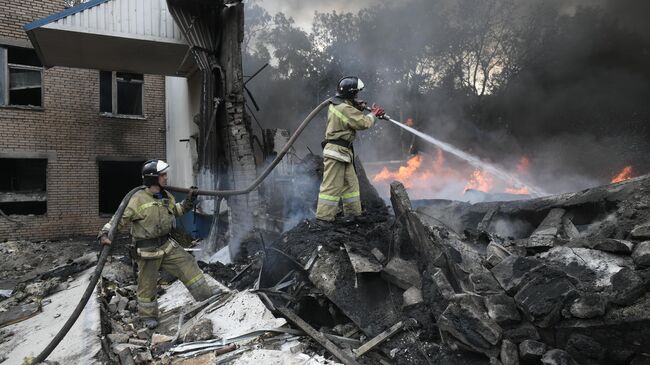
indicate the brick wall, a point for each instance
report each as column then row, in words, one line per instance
column 243, row 171
column 70, row 128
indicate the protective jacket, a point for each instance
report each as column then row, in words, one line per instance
column 343, row 122
column 150, row 217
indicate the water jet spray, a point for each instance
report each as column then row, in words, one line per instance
column 469, row 158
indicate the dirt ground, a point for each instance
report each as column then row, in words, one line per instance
column 24, row 260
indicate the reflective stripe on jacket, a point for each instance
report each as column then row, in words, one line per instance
column 343, row 121
column 149, row 217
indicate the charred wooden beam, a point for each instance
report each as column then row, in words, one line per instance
column 318, row 337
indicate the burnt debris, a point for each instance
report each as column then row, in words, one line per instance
column 556, row 280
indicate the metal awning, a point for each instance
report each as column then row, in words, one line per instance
column 137, row 36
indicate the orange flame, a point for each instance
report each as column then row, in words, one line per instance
column 480, row 180
column 404, row 173
column 426, row 175
column 623, row 175
column 517, row 191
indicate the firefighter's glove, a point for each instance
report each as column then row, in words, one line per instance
column 192, row 194
column 377, row 111
column 104, row 240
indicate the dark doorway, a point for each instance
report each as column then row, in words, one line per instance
column 116, row 178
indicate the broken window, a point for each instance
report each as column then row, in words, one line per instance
column 121, row 93
column 23, row 184
column 21, row 77
column 116, row 178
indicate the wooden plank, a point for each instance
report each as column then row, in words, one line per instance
column 383, row 337
column 19, row 314
column 344, row 340
column 39, row 196
column 318, row 337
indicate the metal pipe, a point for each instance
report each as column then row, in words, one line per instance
column 103, row 256
column 269, row 168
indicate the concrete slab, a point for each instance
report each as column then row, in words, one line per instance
column 176, row 295
column 402, row 273
column 546, row 234
column 80, row 345
column 360, row 263
column 243, row 313
column 261, row 356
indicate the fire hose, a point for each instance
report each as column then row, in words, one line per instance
column 106, row 249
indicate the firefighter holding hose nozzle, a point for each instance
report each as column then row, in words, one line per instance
column 340, row 184
column 152, row 213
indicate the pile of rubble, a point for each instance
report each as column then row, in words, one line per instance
column 569, row 284
column 556, row 280
column 231, row 327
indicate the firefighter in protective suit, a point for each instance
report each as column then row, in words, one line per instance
column 152, row 212
column 344, row 118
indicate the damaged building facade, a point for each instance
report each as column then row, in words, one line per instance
column 71, row 140
column 170, row 87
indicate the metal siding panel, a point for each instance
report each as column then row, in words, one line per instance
column 117, row 16
column 156, row 15
column 143, row 16
column 105, row 16
column 97, row 19
column 91, row 18
column 148, row 15
column 137, row 15
column 132, row 16
column 114, row 25
column 171, row 20
column 109, row 17
column 163, row 25
column 170, row 28
column 85, row 18
column 124, row 16
column 148, row 19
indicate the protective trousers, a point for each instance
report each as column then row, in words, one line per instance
column 340, row 182
column 173, row 259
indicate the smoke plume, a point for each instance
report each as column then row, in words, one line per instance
column 564, row 83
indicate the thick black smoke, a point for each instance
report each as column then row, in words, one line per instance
column 569, row 81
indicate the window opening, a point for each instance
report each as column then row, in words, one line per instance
column 121, row 93
column 23, row 186
column 21, row 77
